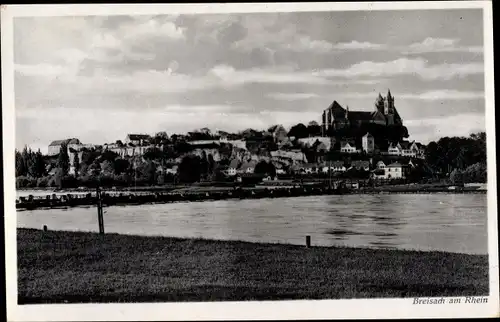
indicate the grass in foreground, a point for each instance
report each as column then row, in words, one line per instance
column 78, row 267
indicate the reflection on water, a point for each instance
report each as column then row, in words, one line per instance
column 446, row 222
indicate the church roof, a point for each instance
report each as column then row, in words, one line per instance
column 136, row 137
column 337, row 110
column 405, row 144
column 360, row 116
column 67, row 141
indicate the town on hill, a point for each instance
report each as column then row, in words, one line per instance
column 372, row 146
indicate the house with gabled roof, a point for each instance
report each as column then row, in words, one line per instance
column 233, row 167
column 380, row 165
column 247, row 167
column 334, row 166
column 137, row 139
column 279, row 133
column 396, row 170
column 360, row 165
column 55, row 146
column 348, row 147
column 368, row 143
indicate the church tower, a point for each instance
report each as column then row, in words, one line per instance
column 389, row 108
column 379, row 104
column 390, row 102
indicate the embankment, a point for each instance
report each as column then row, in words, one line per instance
column 77, row 267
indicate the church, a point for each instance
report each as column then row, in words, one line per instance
column 335, row 117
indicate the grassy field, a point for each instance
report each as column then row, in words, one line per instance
column 77, row 267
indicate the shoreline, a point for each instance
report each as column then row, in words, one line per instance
column 212, row 193
column 90, row 268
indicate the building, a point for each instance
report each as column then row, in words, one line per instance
column 360, row 165
column 232, row 168
column 326, row 141
column 247, row 167
column 279, row 133
column 394, row 149
column 55, row 146
column 406, row 149
column 348, row 147
column 294, row 155
column 380, row 165
column 368, row 143
column 335, row 117
column 396, row 171
column 172, row 170
column 335, row 166
column 137, row 139
column 309, row 168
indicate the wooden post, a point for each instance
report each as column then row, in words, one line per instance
column 45, row 228
column 100, row 218
column 308, row 241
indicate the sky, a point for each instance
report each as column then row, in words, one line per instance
column 98, row 78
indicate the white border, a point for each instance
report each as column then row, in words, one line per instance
column 323, row 309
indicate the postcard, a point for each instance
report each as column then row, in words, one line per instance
column 249, row 161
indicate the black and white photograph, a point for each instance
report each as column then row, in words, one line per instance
column 292, row 160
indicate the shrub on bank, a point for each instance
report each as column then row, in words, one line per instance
column 43, row 182
column 23, row 182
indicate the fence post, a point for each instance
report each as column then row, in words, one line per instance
column 100, row 218
column 308, row 241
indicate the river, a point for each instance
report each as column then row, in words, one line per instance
column 443, row 222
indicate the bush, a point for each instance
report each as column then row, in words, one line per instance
column 69, row 181
column 52, row 182
column 122, row 180
column 88, row 181
column 106, row 180
column 43, row 182
column 22, row 182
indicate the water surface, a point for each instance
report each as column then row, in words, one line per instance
column 443, row 222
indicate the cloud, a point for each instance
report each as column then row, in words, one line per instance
column 152, row 28
column 435, row 95
column 229, row 76
column 430, row 45
column 439, row 95
column 427, row 129
column 292, row 96
column 355, row 45
column 49, row 71
column 405, row 66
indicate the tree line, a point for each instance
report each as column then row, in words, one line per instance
column 461, row 159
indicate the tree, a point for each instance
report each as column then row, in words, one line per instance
column 298, row 131
column 121, row 165
column 314, row 129
column 20, row 165
column 211, row 164
column 108, row 155
column 204, row 166
column 63, row 160
column 95, row 168
column 153, row 154
column 76, row 164
column 146, row 172
column 107, row 168
column 456, row 176
column 160, row 138
column 189, row 169
column 265, row 168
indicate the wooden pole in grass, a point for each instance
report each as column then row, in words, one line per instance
column 100, row 218
column 308, row 241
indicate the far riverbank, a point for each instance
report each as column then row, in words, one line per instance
column 91, row 268
column 41, row 200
